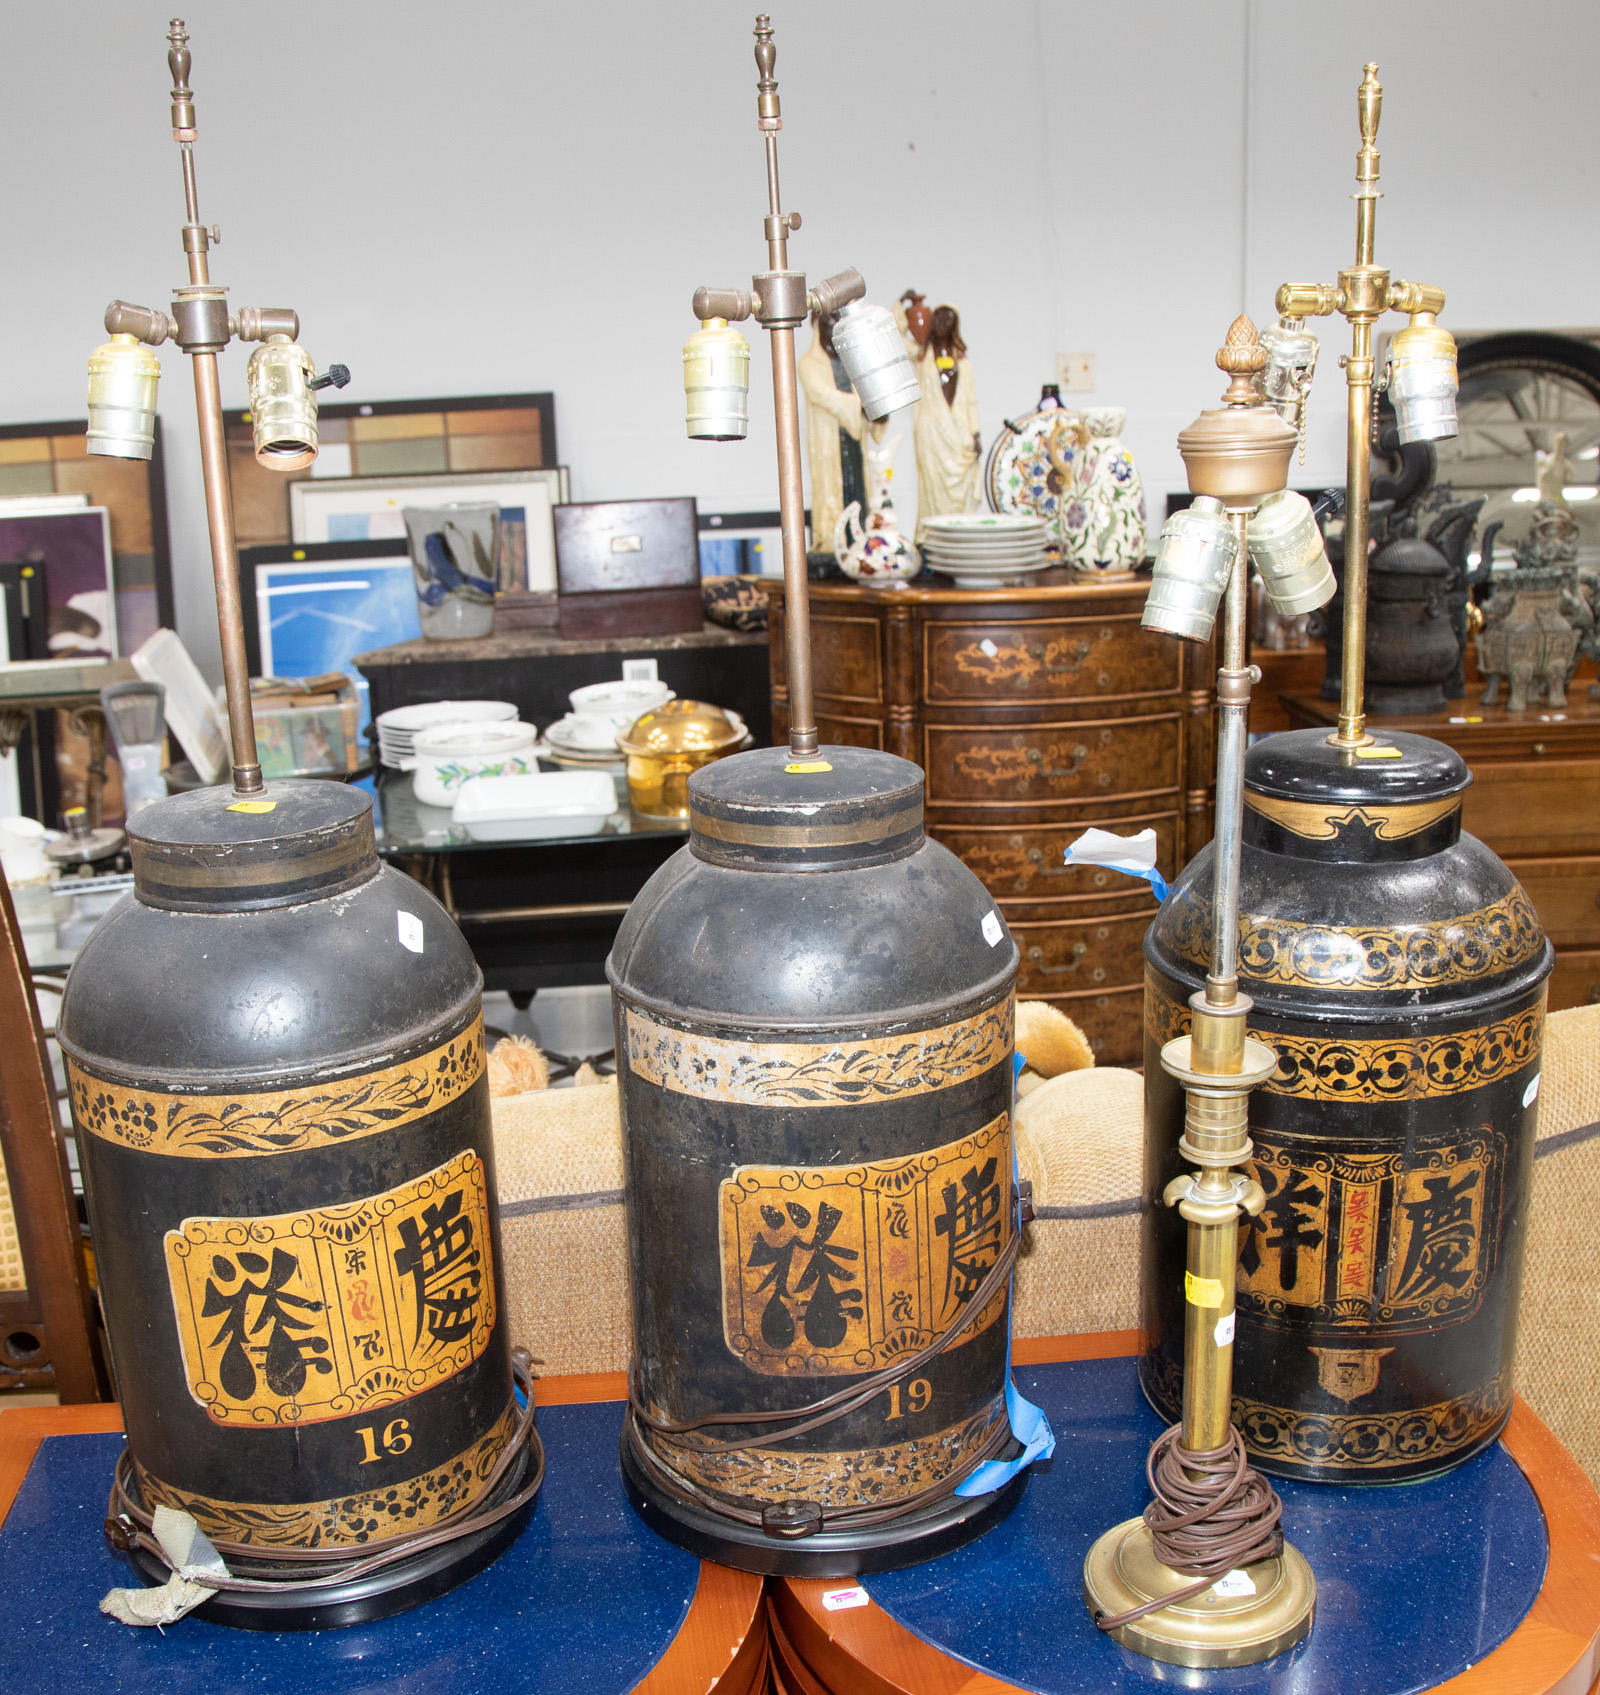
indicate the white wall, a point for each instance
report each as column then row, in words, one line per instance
column 493, row 196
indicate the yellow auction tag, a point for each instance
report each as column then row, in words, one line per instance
column 1201, row 1291
column 252, row 806
column 1380, row 753
column 805, row 769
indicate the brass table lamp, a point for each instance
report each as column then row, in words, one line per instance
column 1204, row 1577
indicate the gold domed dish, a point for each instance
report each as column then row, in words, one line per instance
column 669, row 742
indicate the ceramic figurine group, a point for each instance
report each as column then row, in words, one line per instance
column 1069, row 468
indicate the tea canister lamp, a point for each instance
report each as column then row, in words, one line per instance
column 1204, row 1577
column 1398, row 969
column 274, row 1052
column 814, row 1015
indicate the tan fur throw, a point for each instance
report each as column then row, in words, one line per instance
column 1049, row 1041
column 515, row 1066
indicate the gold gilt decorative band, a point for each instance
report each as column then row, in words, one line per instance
column 278, row 1121
column 1477, row 944
column 1345, row 1069
column 857, row 1477
column 1322, row 821
column 1376, row 1441
column 366, row 1519
column 876, row 1068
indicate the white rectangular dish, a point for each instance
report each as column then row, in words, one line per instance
column 540, row 804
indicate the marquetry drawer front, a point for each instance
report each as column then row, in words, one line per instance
column 1085, row 956
column 1050, row 762
column 1046, row 659
column 1566, row 895
column 1534, row 807
column 1027, row 863
column 1575, row 980
column 845, row 658
column 1113, row 1022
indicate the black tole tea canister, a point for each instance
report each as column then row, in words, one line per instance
column 275, row 1065
column 813, row 1007
column 1399, row 970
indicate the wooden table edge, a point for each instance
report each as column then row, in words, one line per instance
column 1554, row 1650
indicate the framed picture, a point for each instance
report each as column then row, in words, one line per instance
column 49, row 466
column 373, row 509
column 741, row 544
column 309, row 610
column 74, row 550
column 393, row 438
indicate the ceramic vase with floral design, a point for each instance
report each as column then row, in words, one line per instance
column 875, row 551
column 1102, row 521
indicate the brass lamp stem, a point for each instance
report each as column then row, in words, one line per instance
column 786, row 410
column 1363, row 294
column 213, row 445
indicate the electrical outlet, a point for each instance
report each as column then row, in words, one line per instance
column 1075, row 373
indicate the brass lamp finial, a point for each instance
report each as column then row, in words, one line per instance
column 1241, row 356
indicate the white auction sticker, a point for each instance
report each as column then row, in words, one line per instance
column 987, row 648
column 1233, row 1583
column 991, row 928
column 1224, row 1331
column 410, row 931
column 836, row 1600
column 1531, row 1093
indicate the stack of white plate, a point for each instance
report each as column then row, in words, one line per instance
column 397, row 729
column 986, row 550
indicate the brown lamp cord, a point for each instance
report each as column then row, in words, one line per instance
column 129, row 1526
column 1223, row 1517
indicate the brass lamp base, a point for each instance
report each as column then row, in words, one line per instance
column 1208, row 1629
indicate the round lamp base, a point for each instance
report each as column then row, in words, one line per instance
column 922, row 1535
column 1263, row 1610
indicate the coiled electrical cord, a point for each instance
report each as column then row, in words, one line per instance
column 1222, row 1517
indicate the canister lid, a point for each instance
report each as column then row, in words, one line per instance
column 840, row 808
column 212, row 850
column 1400, row 798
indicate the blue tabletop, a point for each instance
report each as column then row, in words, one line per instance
column 584, row 1602
column 1415, row 1582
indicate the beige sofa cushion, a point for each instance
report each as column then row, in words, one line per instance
column 1558, row 1339
column 558, row 1154
column 1080, row 1139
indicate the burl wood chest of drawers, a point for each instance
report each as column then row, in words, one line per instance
column 1035, row 713
column 1535, row 799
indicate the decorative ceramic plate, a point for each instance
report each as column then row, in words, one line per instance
column 1030, row 466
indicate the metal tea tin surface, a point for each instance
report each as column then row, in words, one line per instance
column 274, row 1054
column 1399, row 971
column 813, row 1008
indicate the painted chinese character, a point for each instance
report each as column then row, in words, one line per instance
column 285, row 1356
column 355, row 1260
column 1287, row 1223
column 441, row 1261
column 829, row 1309
column 971, row 1219
column 370, row 1343
column 1443, row 1236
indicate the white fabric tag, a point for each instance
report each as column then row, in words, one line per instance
column 190, row 1550
column 835, row 1600
column 1116, row 853
column 410, row 931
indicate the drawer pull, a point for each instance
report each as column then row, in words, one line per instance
column 1036, row 758
column 1080, row 649
column 1079, row 949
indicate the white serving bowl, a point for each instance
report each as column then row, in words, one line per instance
column 446, row 756
column 538, row 805
column 633, row 697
